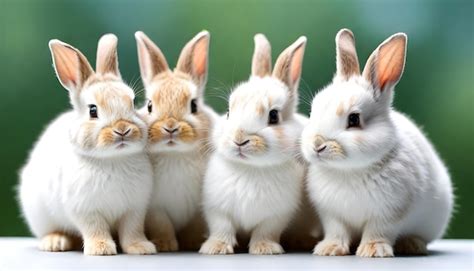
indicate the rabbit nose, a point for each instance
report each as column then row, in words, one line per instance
column 171, row 131
column 240, row 144
column 122, row 133
column 321, row 148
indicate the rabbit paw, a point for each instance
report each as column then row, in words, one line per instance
column 411, row 246
column 213, row 246
column 375, row 249
column 55, row 242
column 331, row 248
column 265, row 247
column 140, row 248
column 166, row 245
column 99, row 247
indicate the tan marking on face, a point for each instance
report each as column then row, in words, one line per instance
column 105, row 97
column 352, row 101
column 186, row 132
column 239, row 136
column 172, row 97
column 260, row 109
column 257, row 144
column 340, row 109
column 106, row 137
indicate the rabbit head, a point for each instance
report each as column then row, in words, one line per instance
column 259, row 128
column 350, row 124
column 105, row 123
column 177, row 117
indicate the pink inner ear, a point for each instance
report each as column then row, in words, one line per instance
column 296, row 65
column 390, row 62
column 66, row 62
column 200, row 57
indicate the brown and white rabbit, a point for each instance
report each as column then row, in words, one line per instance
column 88, row 176
column 179, row 125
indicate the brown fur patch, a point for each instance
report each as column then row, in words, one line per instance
column 258, row 143
column 340, row 109
column 107, row 96
column 260, row 109
column 106, row 137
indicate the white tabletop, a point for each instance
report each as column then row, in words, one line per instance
column 22, row 254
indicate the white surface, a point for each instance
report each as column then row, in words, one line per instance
column 22, row 254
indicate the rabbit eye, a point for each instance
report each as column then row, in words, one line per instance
column 93, row 111
column 150, row 107
column 273, row 117
column 353, row 120
column 194, row 106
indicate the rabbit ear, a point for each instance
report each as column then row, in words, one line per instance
column 107, row 59
column 346, row 60
column 71, row 66
column 193, row 59
column 385, row 66
column 150, row 58
column 262, row 57
column 289, row 64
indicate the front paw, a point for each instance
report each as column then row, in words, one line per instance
column 55, row 242
column 331, row 248
column 140, row 248
column 213, row 246
column 166, row 245
column 97, row 247
column 265, row 247
column 375, row 249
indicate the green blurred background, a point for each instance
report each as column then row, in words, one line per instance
column 436, row 89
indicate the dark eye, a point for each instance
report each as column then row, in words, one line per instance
column 273, row 117
column 353, row 120
column 227, row 114
column 150, row 107
column 194, row 106
column 93, row 111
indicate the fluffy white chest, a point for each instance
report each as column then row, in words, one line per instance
column 252, row 194
column 108, row 188
column 178, row 183
column 357, row 198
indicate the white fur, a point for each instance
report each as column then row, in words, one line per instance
column 254, row 192
column 89, row 192
column 389, row 183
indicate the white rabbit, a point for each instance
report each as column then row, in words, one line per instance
column 88, row 175
column 253, row 182
column 179, row 125
column 374, row 177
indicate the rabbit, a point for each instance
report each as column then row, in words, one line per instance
column 88, row 176
column 253, row 183
column 374, row 178
column 179, row 125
